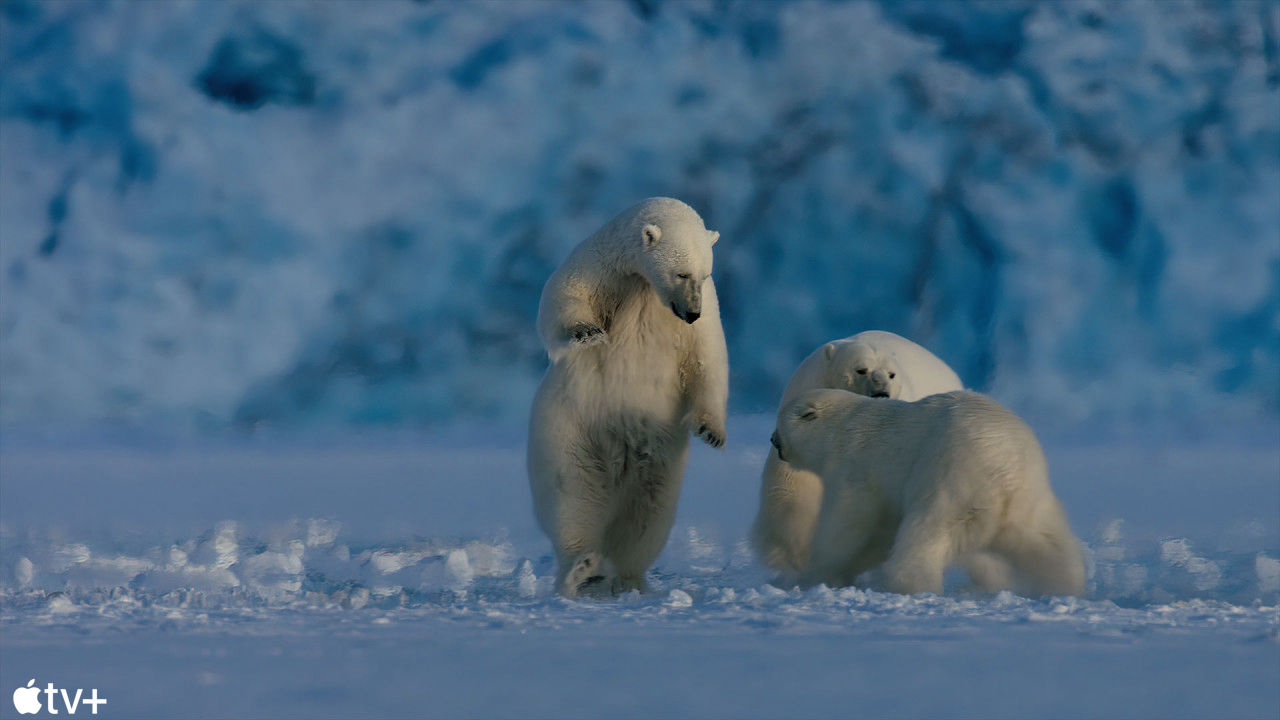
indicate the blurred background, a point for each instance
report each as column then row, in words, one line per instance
column 224, row 214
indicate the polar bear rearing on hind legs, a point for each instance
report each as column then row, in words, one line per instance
column 638, row 360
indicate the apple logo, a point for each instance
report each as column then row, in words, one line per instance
column 27, row 699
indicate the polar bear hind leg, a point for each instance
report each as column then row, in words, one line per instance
column 570, row 485
column 650, row 480
column 1045, row 555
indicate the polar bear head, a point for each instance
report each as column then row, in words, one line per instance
column 859, row 367
column 675, row 254
column 801, row 437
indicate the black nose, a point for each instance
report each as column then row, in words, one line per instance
column 685, row 315
column 777, row 444
column 880, row 394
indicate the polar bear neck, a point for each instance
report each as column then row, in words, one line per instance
column 612, row 256
column 609, row 249
column 870, row 414
column 617, row 245
column 612, row 266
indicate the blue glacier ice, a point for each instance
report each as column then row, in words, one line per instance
column 243, row 213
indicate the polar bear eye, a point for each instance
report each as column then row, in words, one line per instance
column 684, row 276
column 893, row 375
column 808, row 415
column 862, row 371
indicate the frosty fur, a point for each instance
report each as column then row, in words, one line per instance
column 915, row 487
column 638, row 361
column 872, row 363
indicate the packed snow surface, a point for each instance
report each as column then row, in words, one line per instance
column 300, row 217
column 403, row 575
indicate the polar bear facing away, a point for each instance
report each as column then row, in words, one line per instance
column 872, row 363
column 918, row 486
column 638, row 361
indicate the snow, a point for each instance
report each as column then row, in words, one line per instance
column 402, row 574
column 268, row 274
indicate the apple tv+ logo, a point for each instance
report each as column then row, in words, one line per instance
column 27, row 699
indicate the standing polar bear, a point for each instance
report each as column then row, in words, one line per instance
column 916, row 486
column 872, row 363
column 638, row 361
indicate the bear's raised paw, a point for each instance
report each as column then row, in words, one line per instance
column 588, row 334
column 714, row 438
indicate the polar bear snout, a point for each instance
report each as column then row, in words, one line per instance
column 879, row 384
column 777, row 444
column 688, row 303
column 881, row 379
column 686, row 315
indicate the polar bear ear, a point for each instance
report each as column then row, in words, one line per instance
column 652, row 234
column 829, row 350
column 714, row 235
column 809, row 410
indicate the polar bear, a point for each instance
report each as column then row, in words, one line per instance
column 638, row 361
column 872, row 363
column 954, row 477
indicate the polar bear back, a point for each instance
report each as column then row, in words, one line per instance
column 921, row 372
column 980, row 451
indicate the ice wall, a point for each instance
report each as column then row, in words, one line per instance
column 219, row 213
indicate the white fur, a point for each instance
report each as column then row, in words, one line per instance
column 790, row 498
column 629, row 379
column 915, row 487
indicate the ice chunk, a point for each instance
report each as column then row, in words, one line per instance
column 1268, row 570
column 526, row 581
column 679, row 599
column 23, row 572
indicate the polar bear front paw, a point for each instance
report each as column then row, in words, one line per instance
column 584, row 334
column 591, row 574
column 712, row 435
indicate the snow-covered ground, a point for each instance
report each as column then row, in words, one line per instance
column 305, row 219
column 402, row 575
